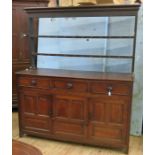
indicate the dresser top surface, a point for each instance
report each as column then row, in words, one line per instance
column 77, row 74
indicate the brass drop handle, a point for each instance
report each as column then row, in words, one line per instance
column 69, row 85
column 33, row 82
column 109, row 89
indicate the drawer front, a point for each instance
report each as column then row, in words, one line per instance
column 69, row 129
column 36, row 124
column 35, row 82
column 79, row 86
column 111, row 87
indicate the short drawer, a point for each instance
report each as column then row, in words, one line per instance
column 34, row 82
column 80, row 86
column 111, row 87
column 36, row 124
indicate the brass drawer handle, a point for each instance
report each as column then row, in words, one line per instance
column 69, row 85
column 33, row 82
column 109, row 89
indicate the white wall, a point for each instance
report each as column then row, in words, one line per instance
column 137, row 106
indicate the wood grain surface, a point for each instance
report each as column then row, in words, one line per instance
column 51, row 147
column 78, row 74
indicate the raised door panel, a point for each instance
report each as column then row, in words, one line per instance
column 44, row 105
column 29, row 104
column 70, row 116
column 116, row 113
column 36, row 103
column 36, row 108
column 109, row 119
column 97, row 110
column 72, row 108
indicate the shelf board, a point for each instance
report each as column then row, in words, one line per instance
column 82, row 55
column 83, row 37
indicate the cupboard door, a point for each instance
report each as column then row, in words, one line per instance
column 108, row 119
column 36, row 108
column 70, row 116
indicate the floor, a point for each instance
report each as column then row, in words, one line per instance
column 50, row 147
